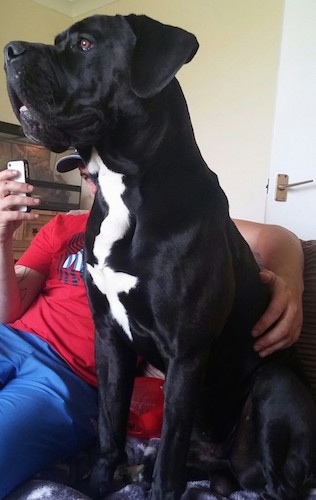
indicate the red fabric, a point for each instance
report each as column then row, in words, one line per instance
column 61, row 314
column 146, row 411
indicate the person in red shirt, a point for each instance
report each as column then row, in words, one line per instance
column 48, row 397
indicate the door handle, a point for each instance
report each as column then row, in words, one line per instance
column 283, row 185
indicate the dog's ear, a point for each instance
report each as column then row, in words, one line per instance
column 160, row 51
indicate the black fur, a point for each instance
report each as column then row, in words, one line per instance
column 198, row 293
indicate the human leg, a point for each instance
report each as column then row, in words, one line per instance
column 46, row 412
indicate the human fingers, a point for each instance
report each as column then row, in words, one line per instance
column 280, row 325
column 283, row 335
column 12, row 193
column 7, row 174
column 11, row 201
column 11, row 219
column 279, row 298
column 9, row 184
column 10, row 216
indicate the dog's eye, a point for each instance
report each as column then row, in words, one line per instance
column 85, row 44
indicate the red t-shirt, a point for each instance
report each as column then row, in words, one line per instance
column 61, row 314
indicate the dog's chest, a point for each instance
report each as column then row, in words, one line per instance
column 113, row 228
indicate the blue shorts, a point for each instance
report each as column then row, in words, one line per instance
column 47, row 412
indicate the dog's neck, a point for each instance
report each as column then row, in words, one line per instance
column 152, row 125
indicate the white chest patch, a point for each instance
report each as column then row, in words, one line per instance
column 113, row 228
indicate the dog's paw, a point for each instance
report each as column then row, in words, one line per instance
column 100, row 483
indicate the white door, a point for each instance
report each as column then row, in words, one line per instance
column 294, row 143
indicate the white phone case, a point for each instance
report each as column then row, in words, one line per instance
column 22, row 167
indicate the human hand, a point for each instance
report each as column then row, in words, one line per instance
column 280, row 325
column 10, row 217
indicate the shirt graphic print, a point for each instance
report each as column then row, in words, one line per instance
column 71, row 262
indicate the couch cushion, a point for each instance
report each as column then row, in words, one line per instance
column 307, row 341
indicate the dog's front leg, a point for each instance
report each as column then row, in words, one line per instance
column 181, row 390
column 115, row 369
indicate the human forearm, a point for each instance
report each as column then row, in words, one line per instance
column 12, row 300
column 10, row 297
column 278, row 249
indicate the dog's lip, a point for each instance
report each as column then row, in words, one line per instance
column 26, row 112
column 28, row 116
column 24, row 109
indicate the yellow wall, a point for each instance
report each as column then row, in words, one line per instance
column 230, row 85
column 25, row 20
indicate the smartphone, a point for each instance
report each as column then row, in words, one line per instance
column 22, row 167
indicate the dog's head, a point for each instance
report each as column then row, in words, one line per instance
column 101, row 68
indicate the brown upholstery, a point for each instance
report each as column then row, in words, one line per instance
column 307, row 341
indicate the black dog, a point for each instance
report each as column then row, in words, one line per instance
column 168, row 275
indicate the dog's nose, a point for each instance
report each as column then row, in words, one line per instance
column 13, row 50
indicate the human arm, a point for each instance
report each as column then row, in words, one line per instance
column 19, row 285
column 281, row 254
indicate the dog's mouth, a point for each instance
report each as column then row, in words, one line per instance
column 56, row 131
column 39, row 129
